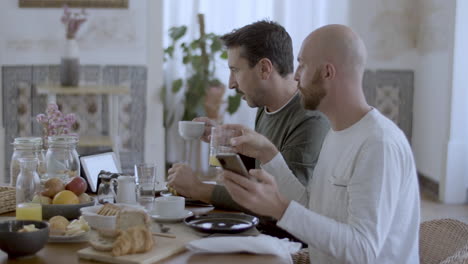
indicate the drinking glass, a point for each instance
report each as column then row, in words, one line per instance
column 146, row 181
column 220, row 142
column 29, row 211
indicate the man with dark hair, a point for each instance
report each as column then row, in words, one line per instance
column 260, row 59
column 263, row 39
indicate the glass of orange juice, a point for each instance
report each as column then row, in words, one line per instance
column 29, row 211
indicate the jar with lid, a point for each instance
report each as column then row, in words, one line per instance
column 62, row 159
column 26, row 147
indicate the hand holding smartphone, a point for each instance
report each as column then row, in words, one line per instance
column 232, row 162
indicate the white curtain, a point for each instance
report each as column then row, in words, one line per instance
column 299, row 17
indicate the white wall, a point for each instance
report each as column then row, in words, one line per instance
column 453, row 187
column 110, row 36
column 418, row 36
column 433, row 87
column 388, row 30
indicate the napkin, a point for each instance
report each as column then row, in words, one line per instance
column 261, row 244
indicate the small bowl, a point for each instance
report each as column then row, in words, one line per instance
column 69, row 211
column 100, row 222
column 17, row 244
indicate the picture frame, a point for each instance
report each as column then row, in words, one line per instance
column 93, row 164
column 73, row 3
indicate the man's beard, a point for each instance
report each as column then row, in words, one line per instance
column 312, row 96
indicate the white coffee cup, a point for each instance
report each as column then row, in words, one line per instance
column 191, row 130
column 169, row 206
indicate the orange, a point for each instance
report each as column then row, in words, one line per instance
column 65, row 197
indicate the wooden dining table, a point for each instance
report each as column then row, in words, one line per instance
column 66, row 253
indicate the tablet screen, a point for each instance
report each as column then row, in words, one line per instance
column 93, row 164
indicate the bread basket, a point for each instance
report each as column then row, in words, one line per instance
column 7, row 199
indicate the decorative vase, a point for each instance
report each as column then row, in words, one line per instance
column 70, row 64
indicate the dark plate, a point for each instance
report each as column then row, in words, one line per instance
column 192, row 202
column 221, row 222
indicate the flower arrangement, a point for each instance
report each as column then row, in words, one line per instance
column 73, row 21
column 54, row 123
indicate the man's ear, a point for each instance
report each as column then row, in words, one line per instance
column 265, row 68
column 328, row 71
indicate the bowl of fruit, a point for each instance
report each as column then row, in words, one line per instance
column 64, row 199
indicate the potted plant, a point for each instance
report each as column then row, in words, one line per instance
column 203, row 91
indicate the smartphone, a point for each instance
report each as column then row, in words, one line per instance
column 249, row 162
column 232, row 162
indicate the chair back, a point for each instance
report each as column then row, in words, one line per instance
column 443, row 241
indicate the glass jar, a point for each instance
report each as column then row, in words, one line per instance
column 26, row 147
column 62, row 159
column 28, row 184
column 28, row 188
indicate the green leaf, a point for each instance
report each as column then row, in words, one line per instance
column 233, row 103
column 186, row 59
column 176, row 85
column 195, row 44
column 216, row 45
column 177, row 32
column 224, row 55
column 197, row 64
column 169, row 50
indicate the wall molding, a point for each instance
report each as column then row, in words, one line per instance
column 428, row 186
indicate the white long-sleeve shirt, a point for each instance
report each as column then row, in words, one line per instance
column 363, row 200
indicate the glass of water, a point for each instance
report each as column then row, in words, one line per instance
column 146, row 181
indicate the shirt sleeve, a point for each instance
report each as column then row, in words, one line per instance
column 302, row 146
column 373, row 191
column 288, row 184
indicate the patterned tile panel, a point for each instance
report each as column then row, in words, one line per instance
column 391, row 91
column 22, row 103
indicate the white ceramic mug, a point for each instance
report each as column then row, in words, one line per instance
column 191, row 130
column 126, row 189
column 169, row 206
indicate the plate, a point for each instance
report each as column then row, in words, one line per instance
column 186, row 213
column 82, row 237
column 221, row 222
column 192, row 202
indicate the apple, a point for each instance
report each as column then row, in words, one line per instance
column 52, row 187
column 77, row 185
column 41, row 199
column 84, row 198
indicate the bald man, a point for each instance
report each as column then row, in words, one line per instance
column 362, row 204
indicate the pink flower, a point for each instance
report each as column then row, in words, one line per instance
column 70, row 119
column 41, row 118
column 55, row 123
column 72, row 21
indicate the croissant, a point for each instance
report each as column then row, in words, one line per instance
column 137, row 239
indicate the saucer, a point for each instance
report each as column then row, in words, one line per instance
column 159, row 218
column 81, row 237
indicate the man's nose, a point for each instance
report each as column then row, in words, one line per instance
column 296, row 75
column 232, row 83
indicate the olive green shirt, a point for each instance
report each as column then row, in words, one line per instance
column 297, row 133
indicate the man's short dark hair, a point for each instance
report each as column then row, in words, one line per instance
column 263, row 39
